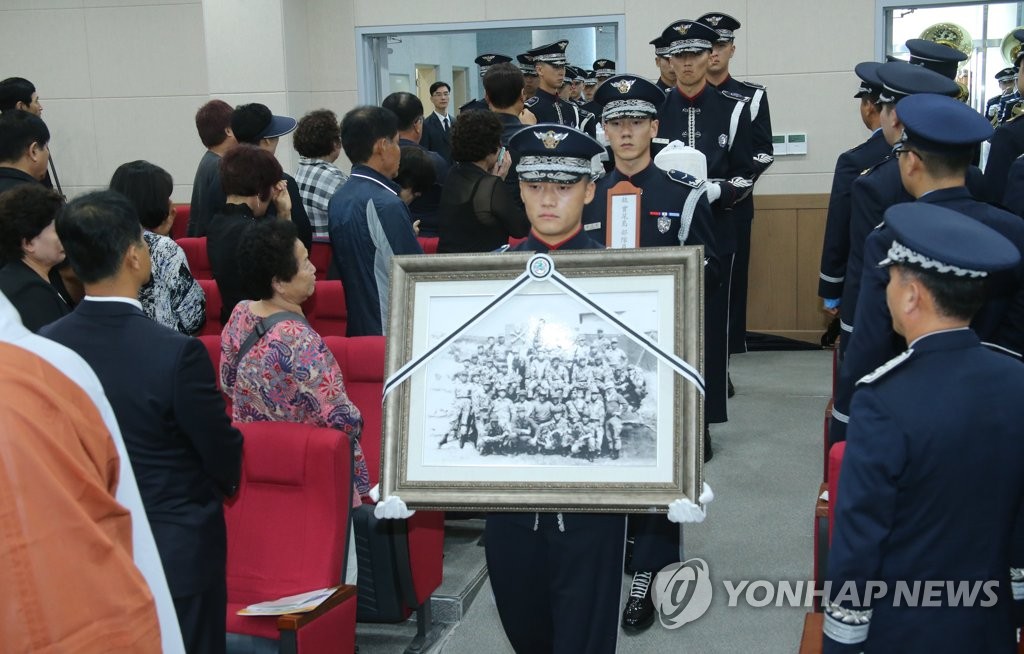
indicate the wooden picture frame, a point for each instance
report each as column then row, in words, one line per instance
column 452, row 444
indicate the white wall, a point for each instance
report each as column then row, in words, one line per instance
column 121, row 79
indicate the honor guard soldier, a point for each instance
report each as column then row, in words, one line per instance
column 666, row 76
column 668, row 208
column 836, row 245
column 932, row 478
column 589, row 86
column 764, row 156
column 549, row 60
column 604, row 69
column 484, row 61
column 1008, row 141
column 556, row 577
column 939, row 136
column 717, row 123
column 943, row 59
column 1005, row 78
column 529, row 71
column 876, row 190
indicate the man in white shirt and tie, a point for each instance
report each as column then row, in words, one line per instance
column 437, row 126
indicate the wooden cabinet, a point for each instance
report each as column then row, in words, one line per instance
column 785, row 258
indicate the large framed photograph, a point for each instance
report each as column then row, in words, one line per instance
column 572, row 390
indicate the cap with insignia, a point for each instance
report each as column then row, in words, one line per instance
column 526, row 64
column 941, row 58
column 589, row 78
column 945, row 242
column 900, row 79
column 628, row 96
column 1006, row 75
column 688, row 36
column 661, row 45
column 554, row 153
column 574, row 73
column 485, row 61
column 937, row 123
column 552, row 53
column 724, row 24
column 867, row 71
column 604, row 67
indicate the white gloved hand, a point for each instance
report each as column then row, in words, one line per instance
column 683, row 510
column 714, row 191
column 375, row 493
column 393, row 508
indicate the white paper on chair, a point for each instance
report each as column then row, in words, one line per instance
column 301, row 603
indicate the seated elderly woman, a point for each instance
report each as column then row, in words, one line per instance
column 30, row 248
column 172, row 297
column 478, row 212
column 288, row 374
column 251, row 178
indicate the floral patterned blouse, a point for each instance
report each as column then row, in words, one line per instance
column 172, row 297
column 288, row 375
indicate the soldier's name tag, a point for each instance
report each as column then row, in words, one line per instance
column 623, row 216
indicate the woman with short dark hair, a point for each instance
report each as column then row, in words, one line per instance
column 288, row 374
column 317, row 139
column 30, row 247
column 478, row 213
column 252, row 181
column 172, row 297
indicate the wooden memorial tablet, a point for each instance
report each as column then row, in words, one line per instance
column 623, row 220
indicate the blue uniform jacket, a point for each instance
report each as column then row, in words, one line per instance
column 368, row 224
column 836, row 244
column 873, row 341
column 718, row 124
column 549, row 108
column 872, row 194
column 672, row 212
column 930, row 490
column 1007, row 145
column 760, row 121
column 1013, row 197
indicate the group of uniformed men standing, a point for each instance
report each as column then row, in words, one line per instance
column 917, row 249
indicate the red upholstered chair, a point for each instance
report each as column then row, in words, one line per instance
column 400, row 561
column 325, row 309
column 320, row 256
column 180, row 227
column 835, row 462
column 287, row 531
column 428, row 243
column 212, row 344
column 198, row 260
column 213, row 325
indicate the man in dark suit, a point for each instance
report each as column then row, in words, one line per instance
column 437, row 127
column 185, row 454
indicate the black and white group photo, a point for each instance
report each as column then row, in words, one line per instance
column 528, row 387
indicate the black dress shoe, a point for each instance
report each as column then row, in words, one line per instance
column 639, row 612
column 731, row 389
column 708, row 451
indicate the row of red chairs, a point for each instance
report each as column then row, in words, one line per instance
column 418, row 568
column 325, row 310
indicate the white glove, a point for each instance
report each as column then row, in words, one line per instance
column 683, row 510
column 393, row 508
column 714, row 191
